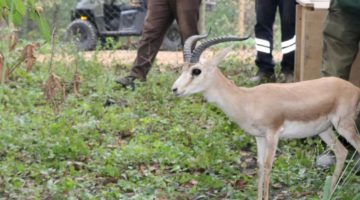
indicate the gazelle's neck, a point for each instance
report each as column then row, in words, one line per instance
column 225, row 94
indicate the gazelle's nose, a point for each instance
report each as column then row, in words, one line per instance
column 174, row 90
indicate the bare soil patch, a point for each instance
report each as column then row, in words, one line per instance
column 172, row 58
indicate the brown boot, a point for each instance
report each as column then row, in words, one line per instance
column 127, row 81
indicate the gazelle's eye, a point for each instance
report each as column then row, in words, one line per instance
column 196, row 72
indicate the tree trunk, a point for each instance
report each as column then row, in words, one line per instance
column 55, row 15
column 1, row 68
column 241, row 17
column 202, row 17
column 4, row 76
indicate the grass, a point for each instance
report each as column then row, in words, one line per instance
column 144, row 144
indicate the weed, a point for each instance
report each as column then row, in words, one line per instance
column 146, row 144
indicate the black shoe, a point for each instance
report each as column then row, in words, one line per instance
column 289, row 77
column 127, row 81
column 263, row 77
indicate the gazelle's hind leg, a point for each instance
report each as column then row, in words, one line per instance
column 347, row 129
column 340, row 151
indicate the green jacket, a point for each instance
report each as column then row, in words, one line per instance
column 349, row 6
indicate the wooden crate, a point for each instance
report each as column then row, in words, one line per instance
column 309, row 43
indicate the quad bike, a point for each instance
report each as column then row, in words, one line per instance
column 95, row 20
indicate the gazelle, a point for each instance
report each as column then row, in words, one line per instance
column 273, row 111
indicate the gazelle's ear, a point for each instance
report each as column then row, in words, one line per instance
column 218, row 57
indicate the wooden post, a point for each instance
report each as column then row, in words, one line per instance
column 308, row 54
column 241, row 17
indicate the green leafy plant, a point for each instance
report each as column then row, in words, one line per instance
column 12, row 13
column 327, row 189
column 145, row 144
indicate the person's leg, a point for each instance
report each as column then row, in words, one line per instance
column 187, row 17
column 287, row 16
column 340, row 44
column 265, row 17
column 158, row 19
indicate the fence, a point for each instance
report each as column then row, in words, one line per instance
column 236, row 17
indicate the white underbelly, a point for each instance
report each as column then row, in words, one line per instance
column 300, row 129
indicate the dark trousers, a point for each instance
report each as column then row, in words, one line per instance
column 340, row 44
column 160, row 15
column 265, row 17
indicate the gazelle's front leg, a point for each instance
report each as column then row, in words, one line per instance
column 261, row 146
column 272, row 138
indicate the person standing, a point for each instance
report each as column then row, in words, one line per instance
column 265, row 18
column 341, row 38
column 160, row 15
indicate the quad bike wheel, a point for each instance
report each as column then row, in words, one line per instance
column 172, row 40
column 83, row 34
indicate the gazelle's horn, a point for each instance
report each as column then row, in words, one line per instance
column 187, row 51
column 195, row 56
